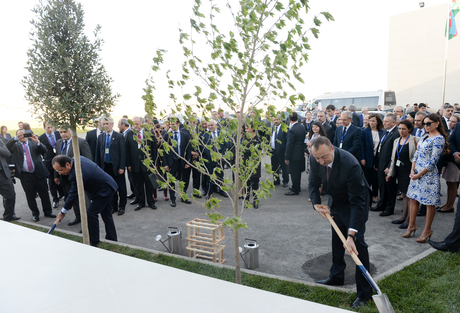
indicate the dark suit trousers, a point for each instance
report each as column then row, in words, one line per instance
column 372, row 179
column 364, row 290
column 66, row 189
column 55, row 190
column 387, row 193
column 277, row 165
column 101, row 205
column 143, row 186
column 196, row 178
column 208, row 184
column 121, row 192
column 453, row 239
column 8, row 194
column 31, row 186
column 180, row 173
column 295, row 169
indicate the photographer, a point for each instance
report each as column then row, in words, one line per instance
column 31, row 170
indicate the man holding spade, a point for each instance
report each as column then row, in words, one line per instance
column 99, row 187
column 349, row 197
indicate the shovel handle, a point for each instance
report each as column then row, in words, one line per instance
column 354, row 256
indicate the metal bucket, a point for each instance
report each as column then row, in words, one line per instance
column 175, row 240
column 251, row 254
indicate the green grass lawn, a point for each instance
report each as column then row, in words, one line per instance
column 430, row 285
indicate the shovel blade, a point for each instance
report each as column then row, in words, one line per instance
column 383, row 303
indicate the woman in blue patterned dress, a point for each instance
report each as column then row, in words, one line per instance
column 424, row 186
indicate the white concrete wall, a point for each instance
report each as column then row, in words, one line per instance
column 416, row 57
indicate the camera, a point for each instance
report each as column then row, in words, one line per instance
column 28, row 133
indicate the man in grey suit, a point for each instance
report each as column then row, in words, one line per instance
column 64, row 146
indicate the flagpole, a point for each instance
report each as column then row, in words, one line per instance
column 445, row 57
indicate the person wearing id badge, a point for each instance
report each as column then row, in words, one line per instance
column 348, row 136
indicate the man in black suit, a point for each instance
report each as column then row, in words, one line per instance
column 49, row 139
column 210, row 137
column 111, row 157
column 329, row 127
column 355, row 116
column 64, row 147
column 387, row 190
column 448, row 110
column 135, row 139
column 278, row 142
column 348, row 136
column 99, row 187
column 31, row 170
column 349, row 198
column 91, row 137
column 294, row 156
column 331, row 116
column 452, row 241
column 124, row 127
column 6, row 185
column 179, row 157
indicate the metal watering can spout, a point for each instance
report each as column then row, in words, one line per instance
column 158, row 238
column 242, row 255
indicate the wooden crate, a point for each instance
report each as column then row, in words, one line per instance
column 205, row 240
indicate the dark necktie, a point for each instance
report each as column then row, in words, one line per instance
column 30, row 166
column 64, row 149
column 107, row 145
column 53, row 143
column 328, row 173
column 176, row 148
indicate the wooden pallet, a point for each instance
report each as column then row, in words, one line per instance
column 205, row 240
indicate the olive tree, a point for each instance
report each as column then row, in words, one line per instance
column 66, row 84
column 246, row 65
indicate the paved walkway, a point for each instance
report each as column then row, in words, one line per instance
column 295, row 241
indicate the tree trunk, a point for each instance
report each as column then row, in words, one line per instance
column 80, row 188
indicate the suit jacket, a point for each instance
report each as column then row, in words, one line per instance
column 185, row 148
column 36, row 151
column 355, row 120
column 295, row 145
column 4, row 154
column 351, row 140
column 96, row 182
column 50, row 154
column 454, row 144
column 347, row 188
column 386, row 147
column 330, row 131
column 117, row 150
column 444, row 124
column 367, row 146
column 135, row 156
column 413, row 143
column 206, row 153
column 8, row 137
column 82, row 145
column 91, row 138
column 280, row 142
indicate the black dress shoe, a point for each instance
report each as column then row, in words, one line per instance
column 290, row 188
column 173, row 203
column 330, row 281
column 438, row 245
column 223, row 194
column 403, row 226
column 55, row 204
column 74, row 222
column 36, row 218
column 397, row 222
column 134, row 202
column 446, row 211
column 114, row 211
column 153, row 206
column 186, row 201
column 291, row 193
column 138, row 207
column 51, row 215
column 13, row 218
column 386, row 213
column 358, row 303
column 131, row 196
column 285, row 185
column 277, row 183
column 376, row 209
column 198, row 196
column 121, row 211
column 255, row 205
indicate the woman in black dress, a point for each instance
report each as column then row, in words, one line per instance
column 404, row 149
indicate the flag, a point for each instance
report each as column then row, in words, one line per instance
column 454, row 9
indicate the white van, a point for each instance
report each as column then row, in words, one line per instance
column 369, row 99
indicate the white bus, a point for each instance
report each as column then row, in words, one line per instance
column 369, row 99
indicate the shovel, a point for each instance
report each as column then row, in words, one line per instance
column 381, row 300
column 53, row 227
